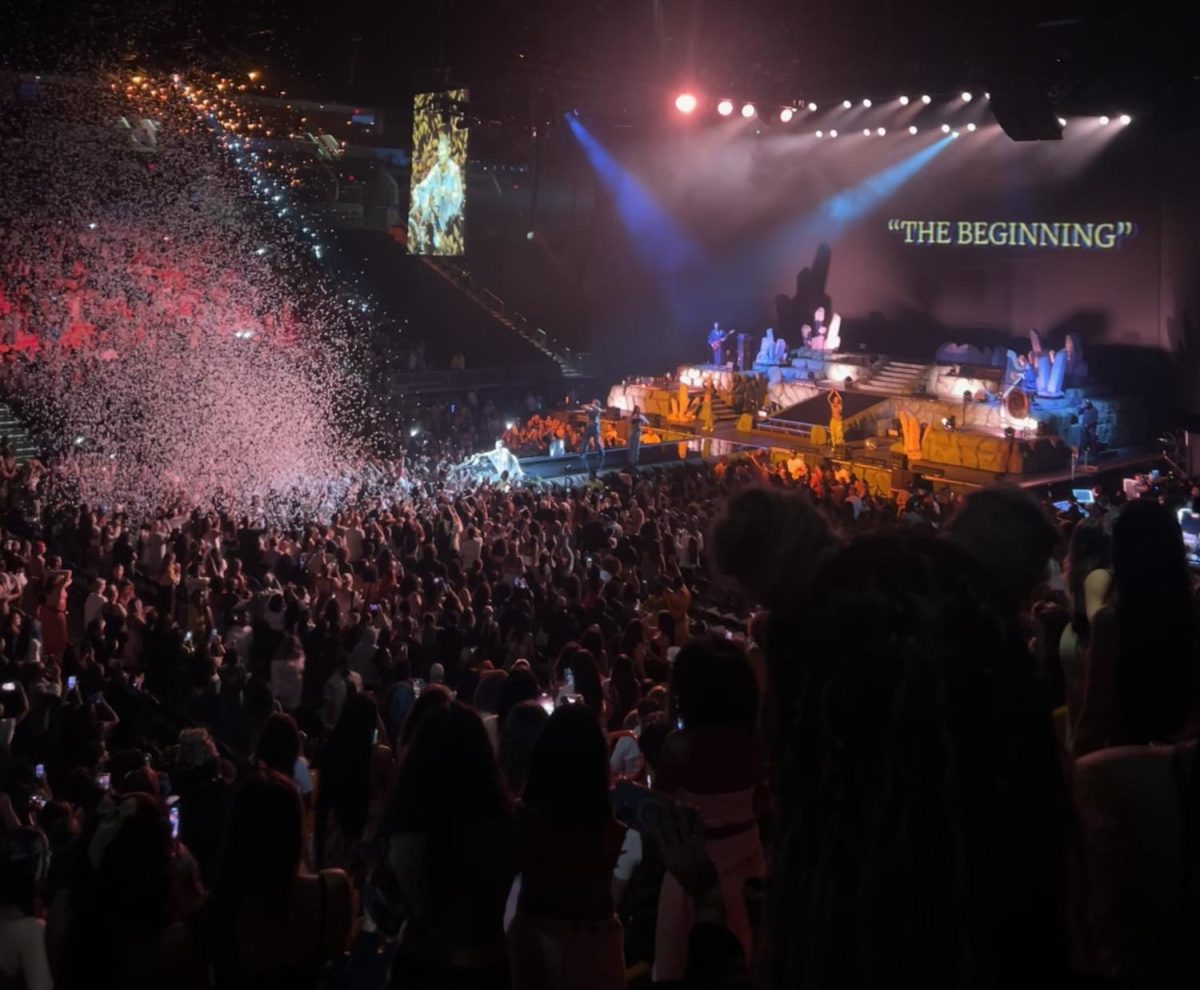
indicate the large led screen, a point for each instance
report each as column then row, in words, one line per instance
column 439, row 161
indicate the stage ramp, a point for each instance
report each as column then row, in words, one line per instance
column 800, row 419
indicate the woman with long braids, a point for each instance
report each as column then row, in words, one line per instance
column 922, row 828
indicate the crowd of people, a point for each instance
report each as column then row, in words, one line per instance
column 853, row 741
column 541, row 435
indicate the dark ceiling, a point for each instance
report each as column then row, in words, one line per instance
column 529, row 56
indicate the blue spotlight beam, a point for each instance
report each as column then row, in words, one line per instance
column 846, row 207
column 654, row 235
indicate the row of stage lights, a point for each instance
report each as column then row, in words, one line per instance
column 689, row 103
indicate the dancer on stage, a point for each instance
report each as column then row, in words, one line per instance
column 837, row 432
column 707, row 419
column 636, row 422
column 591, row 435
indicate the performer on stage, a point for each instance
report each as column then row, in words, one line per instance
column 591, row 435
column 743, row 352
column 1089, row 419
column 716, row 341
column 837, row 433
column 636, row 422
column 707, row 420
column 1028, row 375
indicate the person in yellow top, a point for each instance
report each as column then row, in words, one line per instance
column 837, row 433
column 707, row 421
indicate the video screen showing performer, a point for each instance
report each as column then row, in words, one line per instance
column 437, row 202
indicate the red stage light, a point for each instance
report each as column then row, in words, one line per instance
column 685, row 103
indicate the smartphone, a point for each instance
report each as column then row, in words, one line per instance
column 570, row 699
column 173, row 815
column 417, row 684
column 103, row 781
column 39, row 771
column 71, row 682
column 375, row 736
column 37, row 801
column 373, row 608
column 187, row 638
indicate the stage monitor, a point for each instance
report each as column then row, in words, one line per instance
column 438, row 190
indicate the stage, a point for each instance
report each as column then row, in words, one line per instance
column 949, row 421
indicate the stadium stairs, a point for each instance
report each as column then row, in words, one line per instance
column 15, row 434
column 572, row 365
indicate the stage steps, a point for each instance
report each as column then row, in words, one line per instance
column 894, row 378
column 723, row 413
column 13, row 431
column 572, row 365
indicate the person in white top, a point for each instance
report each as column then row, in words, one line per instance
column 24, row 859
column 471, row 548
column 287, row 674
column 93, row 606
column 354, row 537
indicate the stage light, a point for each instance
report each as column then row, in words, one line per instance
column 685, row 103
column 927, row 99
column 912, row 128
column 725, row 108
column 867, row 104
column 786, row 114
column 882, row 131
column 812, row 108
column 966, row 97
column 1104, row 120
column 1126, row 119
column 833, row 133
column 945, row 128
column 846, row 104
column 971, row 128
column 904, row 101
column 1062, row 121
column 866, row 132
column 820, row 133
column 413, row 431
column 954, row 134
column 747, row 110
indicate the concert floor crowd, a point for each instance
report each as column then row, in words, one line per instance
column 943, row 739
